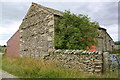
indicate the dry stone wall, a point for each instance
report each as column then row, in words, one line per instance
column 91, row 62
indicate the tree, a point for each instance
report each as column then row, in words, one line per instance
column 117, row 43
column 75, row 32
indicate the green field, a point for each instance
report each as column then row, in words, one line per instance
column 117, row 47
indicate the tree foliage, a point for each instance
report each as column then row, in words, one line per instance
column 75, row 32
column 117, row 43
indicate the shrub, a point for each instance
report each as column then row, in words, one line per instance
column 75, row 32
column 3, row 49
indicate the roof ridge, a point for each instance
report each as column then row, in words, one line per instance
column 57, row 12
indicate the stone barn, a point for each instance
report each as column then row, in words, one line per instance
column 36, row 33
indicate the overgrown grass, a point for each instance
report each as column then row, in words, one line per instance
column 31, row 68
column 0, row 61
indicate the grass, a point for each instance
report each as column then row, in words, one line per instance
column 0, row 61
column 2, row 52
column 31, row 68
column 117, row 47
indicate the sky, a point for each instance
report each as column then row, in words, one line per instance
column 12, row 14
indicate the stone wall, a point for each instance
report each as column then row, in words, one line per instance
column 95, row 62
column 105, row 42
column 36, row 32
column 91, row 62
column 111, row 63
column 114, row 63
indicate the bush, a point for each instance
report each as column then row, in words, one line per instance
column 3, row 49
column 75, row 32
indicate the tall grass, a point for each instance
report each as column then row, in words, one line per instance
column 0, row 61
column 31, row 68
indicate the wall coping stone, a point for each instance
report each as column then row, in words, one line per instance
column 76, row 52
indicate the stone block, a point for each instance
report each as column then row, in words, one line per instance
column 49, row 38
column 20, row 31
column 51, row 29
column 50, row 50
column 98, row 70
column 66, row 51
column 50, row 16
column 57, row 51
column 51, row 23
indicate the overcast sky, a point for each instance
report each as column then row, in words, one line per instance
column 106, row 13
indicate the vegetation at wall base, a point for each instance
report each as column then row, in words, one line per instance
column 75, row 32
column 32, row 68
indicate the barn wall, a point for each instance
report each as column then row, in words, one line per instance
column 105, row 42
column 109, row 43
column 36, row 32
column 13, row 45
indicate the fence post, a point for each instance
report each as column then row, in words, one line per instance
column 106, row 62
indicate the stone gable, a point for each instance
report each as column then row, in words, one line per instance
column 36, row 32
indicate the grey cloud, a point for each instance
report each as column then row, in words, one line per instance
column 13, row 11
column 106, row 13
column 119, row 21
column 103, row 12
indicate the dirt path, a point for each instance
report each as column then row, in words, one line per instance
column 4, row 74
